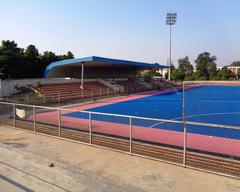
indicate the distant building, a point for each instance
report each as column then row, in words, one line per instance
column 234, row 69
column 163, row 72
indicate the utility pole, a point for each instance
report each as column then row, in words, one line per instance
column 171, row 19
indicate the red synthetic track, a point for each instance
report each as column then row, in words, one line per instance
column 194, row 141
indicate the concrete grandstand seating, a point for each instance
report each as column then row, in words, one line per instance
column 162, row 82
column 132, row 86
column 70, row 91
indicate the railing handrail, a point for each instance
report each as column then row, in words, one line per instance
column 92, row 112
column 212, row 125
column 129, row 116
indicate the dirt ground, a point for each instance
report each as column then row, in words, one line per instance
column 25, row 160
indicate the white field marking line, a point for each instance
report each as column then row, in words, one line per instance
column 200, row 115
column 215, row 101
column 209, row 114
column 155, row 124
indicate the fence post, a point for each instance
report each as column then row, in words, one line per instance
column 14, row 115
column 82, row 94
column 184, row 125
column 27, row 98
column 92, row 93
column 44, row 98
column 34, row 119
column 100, row 92
column 58, row 97
column 130, row 135
column 59, row 123
column 90, row 127
column 108, row 91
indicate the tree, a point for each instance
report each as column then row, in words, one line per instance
column 32, row 58
column 31, row 51
column 11, row 58
column 196, row 75
column 45, row 59
column 224, row 73
column 206, row 66
column 185, row 67
column 17, row 62
column 176, row 75
column 69, row 55
column 235, row 63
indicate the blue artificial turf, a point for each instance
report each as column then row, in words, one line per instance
column 208, row 104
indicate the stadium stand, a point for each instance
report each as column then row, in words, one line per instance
column 132, row 86
column 72, row 91
column 162, row 83
column 97, row 77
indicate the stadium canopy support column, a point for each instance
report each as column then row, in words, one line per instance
column 113, row 73
column 82, row 75
column 151, row 76
column 161, row 74
column 135, row 73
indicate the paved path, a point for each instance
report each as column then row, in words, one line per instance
column 25, row 159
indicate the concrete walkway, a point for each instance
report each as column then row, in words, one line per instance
column 25, row 160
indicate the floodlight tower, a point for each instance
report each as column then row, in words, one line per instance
column 170, row 20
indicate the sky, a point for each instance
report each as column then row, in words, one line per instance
column 125, row 29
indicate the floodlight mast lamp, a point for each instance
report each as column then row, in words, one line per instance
column 170, row 20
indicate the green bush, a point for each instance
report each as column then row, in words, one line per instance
column 215, row 78
column 189, row 78
column 202, row 78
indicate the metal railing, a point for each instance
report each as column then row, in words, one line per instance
column 182, row 142
column 58, row 97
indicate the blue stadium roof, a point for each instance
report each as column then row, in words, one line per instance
column 98, row 61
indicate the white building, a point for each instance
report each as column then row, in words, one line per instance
column 234, row 69
column 163, row 72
